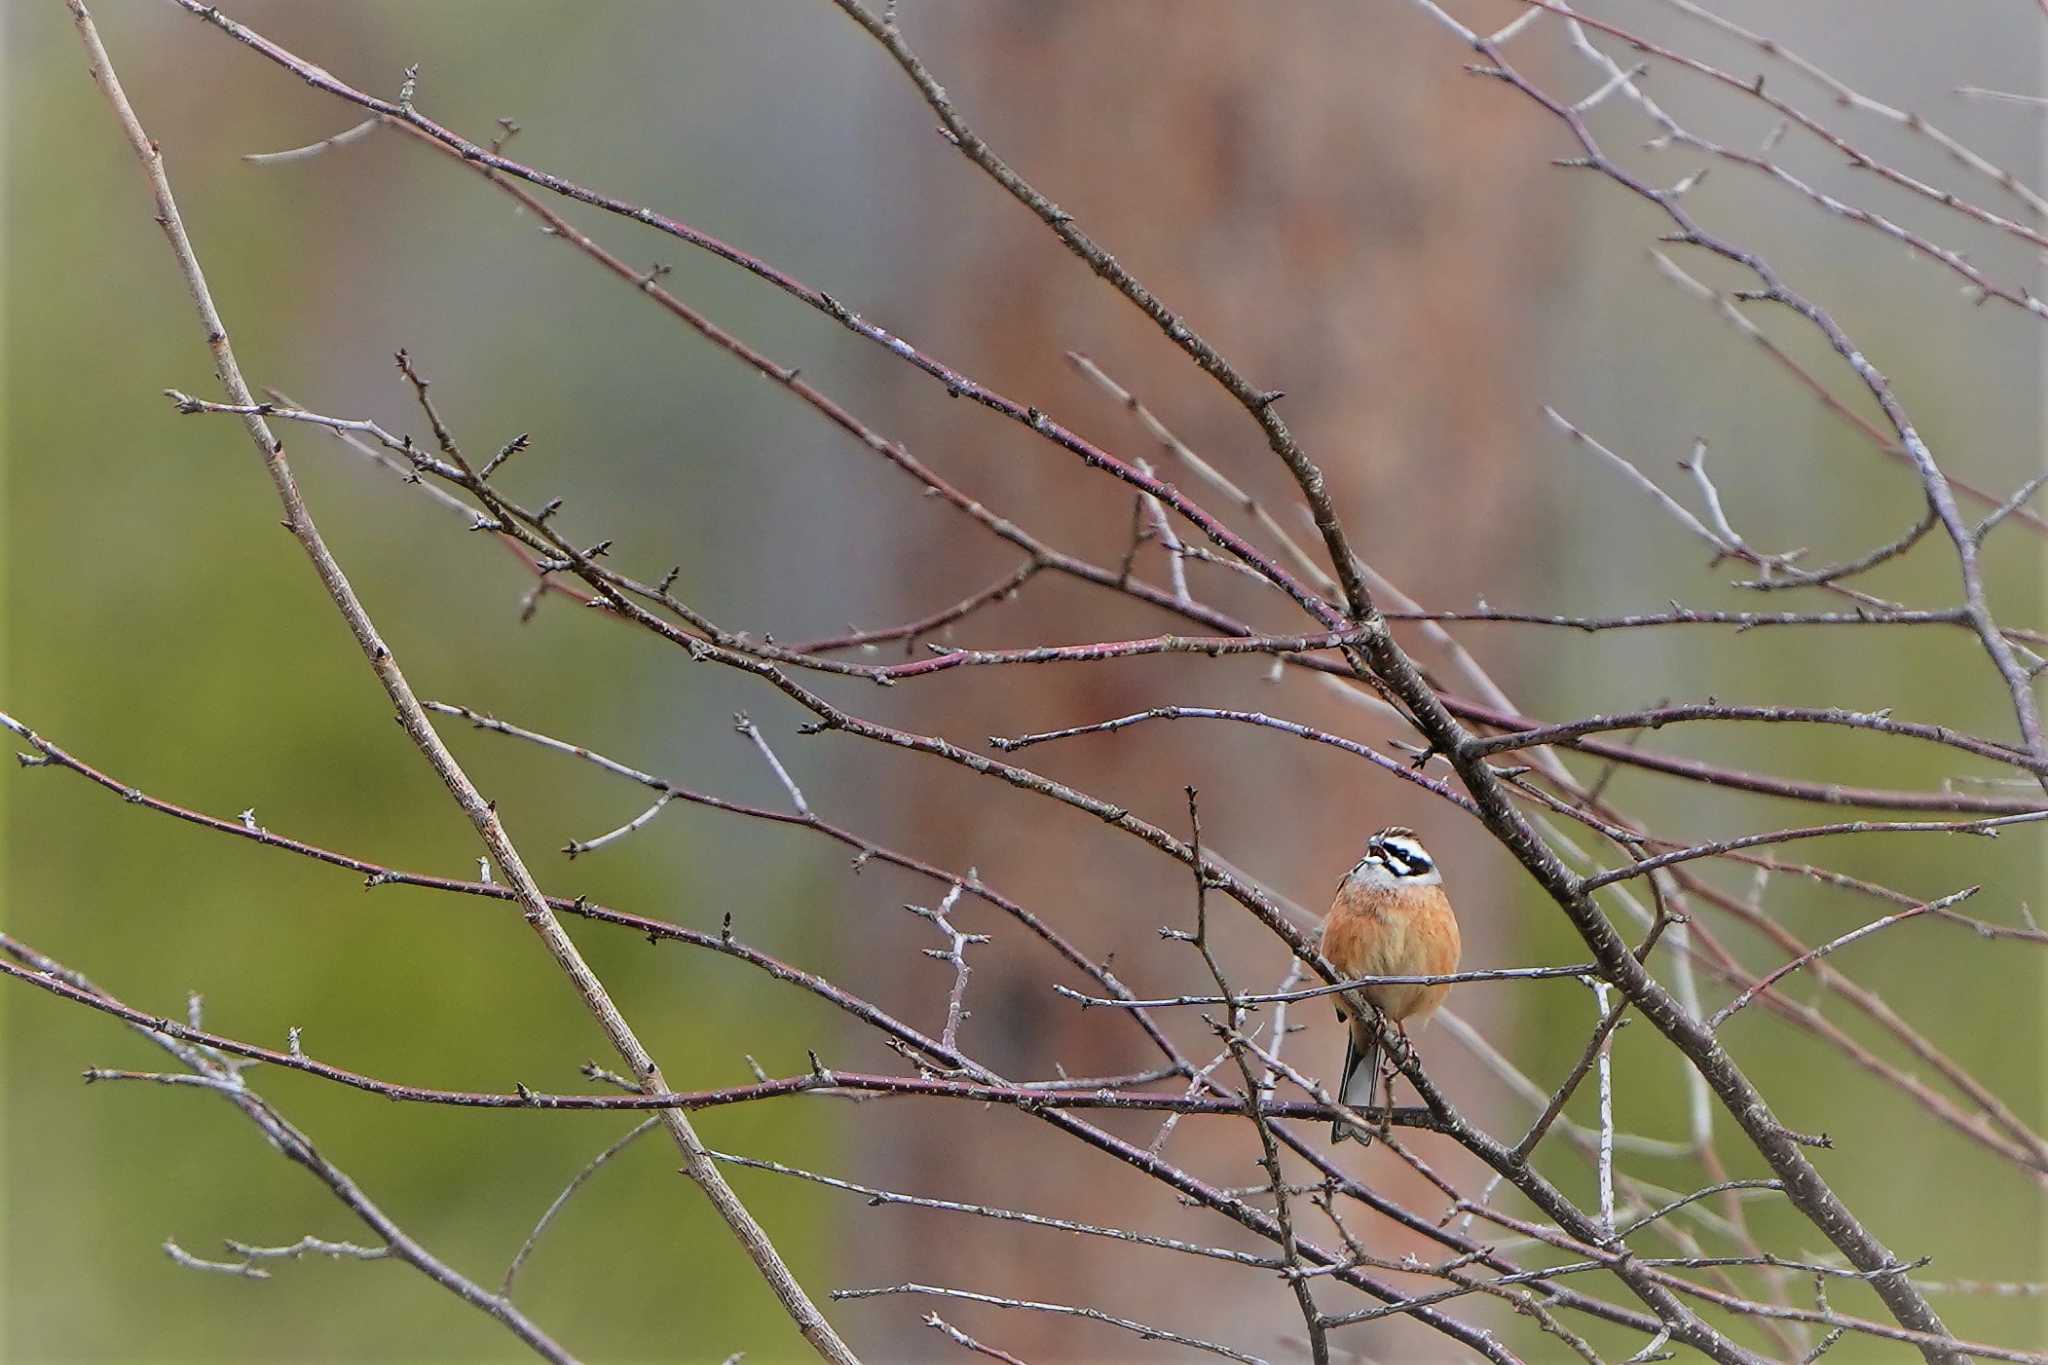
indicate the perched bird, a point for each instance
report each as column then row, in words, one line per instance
column 1391, row 918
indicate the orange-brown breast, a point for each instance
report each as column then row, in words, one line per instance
column 1409, row 931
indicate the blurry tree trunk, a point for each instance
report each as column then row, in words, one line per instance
column 1321, row 204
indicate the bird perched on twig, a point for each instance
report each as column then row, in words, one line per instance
column 1391, row 918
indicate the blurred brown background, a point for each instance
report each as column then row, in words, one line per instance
column 1324, row 194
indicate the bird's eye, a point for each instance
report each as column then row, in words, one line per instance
column 1405, row 858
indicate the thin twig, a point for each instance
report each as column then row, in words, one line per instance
column 1143, row 1330
column 561, row 1200
column 1721, row 1015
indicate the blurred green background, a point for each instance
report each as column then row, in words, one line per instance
column 175, row 636
column 161, row 627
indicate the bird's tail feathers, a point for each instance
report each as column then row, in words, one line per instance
column 1361, row 1080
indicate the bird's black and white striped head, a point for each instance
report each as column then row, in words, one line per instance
column 1395, row 857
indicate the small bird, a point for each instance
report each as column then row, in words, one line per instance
column 1391, row 918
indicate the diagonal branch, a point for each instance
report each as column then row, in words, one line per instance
column 296, row 1147
column 482, row 814
column 1256, row 401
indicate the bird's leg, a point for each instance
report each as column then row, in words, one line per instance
column 1402, row 1044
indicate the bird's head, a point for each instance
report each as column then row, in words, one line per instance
column 1395, row 857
